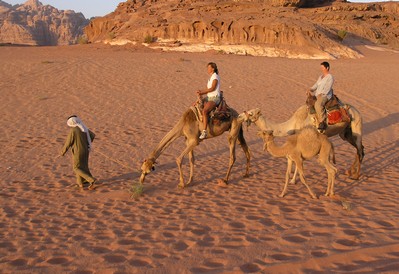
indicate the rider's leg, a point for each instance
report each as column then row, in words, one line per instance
column 208, row 106
column 320, row 110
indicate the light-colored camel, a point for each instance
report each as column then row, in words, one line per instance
column 348, row 131
column 303, row 145
column 189, row 127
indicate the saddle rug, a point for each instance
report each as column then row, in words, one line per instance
column 337, row 112
column 339, row 115
column 218, row 115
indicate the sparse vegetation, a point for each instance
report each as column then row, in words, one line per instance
column 149, row 39
column 342, row 34
column 42, row 97
column 136, row 191
column 82, row 40
column 47, row 62
column 111, row 35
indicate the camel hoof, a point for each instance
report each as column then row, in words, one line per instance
column 246, row 175
column 281, row 195
column 181, row 186
column 354, row 177
column 348, row 172
column 314, row 197
column 222, row 183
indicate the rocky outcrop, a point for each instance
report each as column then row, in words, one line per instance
column 293, row 28
column 33, row 23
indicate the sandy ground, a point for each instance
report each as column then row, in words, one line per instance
column 131, row 99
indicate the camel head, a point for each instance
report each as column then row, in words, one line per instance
column 250, row 116
column 146, row 167
column 267, row 136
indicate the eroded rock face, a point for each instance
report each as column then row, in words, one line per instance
column 33, row 23
column 294, row 27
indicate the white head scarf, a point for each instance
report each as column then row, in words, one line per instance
column 75, row 121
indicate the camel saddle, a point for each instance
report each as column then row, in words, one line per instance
column 221, row 113
column 337, row 111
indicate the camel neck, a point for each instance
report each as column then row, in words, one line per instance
column 264, row 124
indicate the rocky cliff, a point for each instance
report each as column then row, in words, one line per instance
column 290, row 28
column 33, row 23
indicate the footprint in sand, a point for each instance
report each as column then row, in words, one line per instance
column 139, row 262
column 58, row 260
column 18, row 262
column 114, row 258
column 250, row 268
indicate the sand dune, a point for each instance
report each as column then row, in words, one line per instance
column 130, row 98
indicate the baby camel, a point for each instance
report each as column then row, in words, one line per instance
column 303, row 145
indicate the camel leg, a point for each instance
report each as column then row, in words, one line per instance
column 331, row 171
column 191, row 159
column 287, row 177
column 245, row 148
column 299, row 165
column 356, row 141
column 190, row 145
column 293, row 180
column 232, row 147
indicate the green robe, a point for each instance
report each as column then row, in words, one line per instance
column 77, row 141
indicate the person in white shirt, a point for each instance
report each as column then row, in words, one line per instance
column 323, row 91
column 212, row 95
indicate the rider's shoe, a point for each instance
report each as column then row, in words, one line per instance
column 322, row 127
column 203, row 135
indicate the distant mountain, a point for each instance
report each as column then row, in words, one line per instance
column 289, row 28
column 33, row 23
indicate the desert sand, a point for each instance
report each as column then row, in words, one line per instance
column 131, row 98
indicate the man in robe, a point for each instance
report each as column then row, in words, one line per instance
column 79, row 140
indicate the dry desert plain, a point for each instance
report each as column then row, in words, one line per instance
column 131, row 98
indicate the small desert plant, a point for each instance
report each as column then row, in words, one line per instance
column 136, row 190
column 111, row 35
column 47, row 62
column 342, row 34
column 149, row 39
column 82, row 40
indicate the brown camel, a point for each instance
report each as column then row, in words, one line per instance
column 303, row 145
column 190, row 127
column 348, row 131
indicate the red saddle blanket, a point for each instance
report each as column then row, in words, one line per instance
column 337, row 112
column 339, row 115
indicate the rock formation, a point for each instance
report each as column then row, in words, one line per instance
column 33, row 23
column 290, row 28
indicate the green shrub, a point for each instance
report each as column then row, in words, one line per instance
column 342, row 34
column 149, row 39
column 82, row 40
column 111, row 35
column 136, row 191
